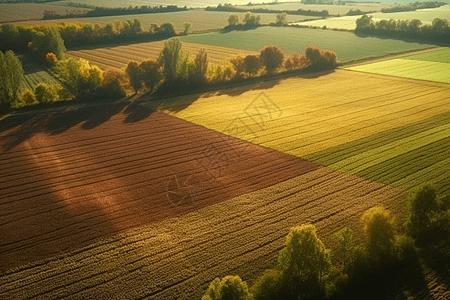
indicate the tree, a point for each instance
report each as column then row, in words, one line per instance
column 229, row 288
column 252, row 64
column 45, row 93
column 272, row 58
column 380, row 230
column 281, row 19
column 201, row 66
column 187, row 27
column 151, row 73
column 251, row 20
column 313, row 55
column 82, row 78
column 11, row 76
column 48, row 40
column 440, row 24
column 330, row 58
column 364, row 22
column 28, row 97
column 114, row 82
column 233, row 20
column 167, row 29
column 238, row 65
column 268, row 286
column 169, row 58
column 303, row 263
column 134, row 73
column 345, row 245
column 426, row 215
column 51, row 58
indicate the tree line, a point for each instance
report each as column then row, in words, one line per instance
column 305, row 268
column 106, row 11
column 437, row 32
column 231, row 8
column 17, row 37
column 413, row 6
column 173, row 71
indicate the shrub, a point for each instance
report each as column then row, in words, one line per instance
column 187, row 27
column 318, row 59
column 28, row 97
column 271, row 58
column 289, row 64
column 45, row 93
column 252, row 64
column 51, row 58
column 114, row 83
column 135, row 75
column 229, row 288
column 380, row 230
column 303, row 263
column 427, row 220
column 151, row 73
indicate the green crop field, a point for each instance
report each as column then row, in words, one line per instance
column 35, row 73
column 200, row 20
column 349, row 22
column 431, row 66
column 295, row 40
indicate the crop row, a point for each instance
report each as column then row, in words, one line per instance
column 161, row 260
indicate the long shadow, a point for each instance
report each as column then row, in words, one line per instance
column 437, row 258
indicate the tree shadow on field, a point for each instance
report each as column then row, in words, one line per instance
column 437, row 258
column 23, row 126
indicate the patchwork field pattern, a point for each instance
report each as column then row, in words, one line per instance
column 347, row 45
column 119, row 56
column 35, row 74
column 200, row 20
column 426, row 16
column 431, row 66
column 337, row 110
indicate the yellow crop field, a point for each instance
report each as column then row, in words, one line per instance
column 119, row 56
column 318, row 113
column 237, row 236
column 201, row 20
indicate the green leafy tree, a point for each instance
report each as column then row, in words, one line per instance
column 45, row 93
column 233, row 20
column 229, row 288
column 426, row 215
column 281, row 19
column 48, row 40
column 83, row 79
column 201, row 66
column 345, row 245
column 187, row 27
column 170, row 57
column 28, row 97
column 11, row 77
column 268, row 286
column 134, row 72
column 114, row 82
column 380, row 229
column 252, row 64
column 251, row 20
column 271, row 58
column 303, row 263
column 364, row 22
column 151, row 73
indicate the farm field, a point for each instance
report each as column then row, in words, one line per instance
column 201, row 20
column 119, row 3
column 182, row 254
column 68, row 179
column 335, row 110
column 30, row 11
column 332, row 9
column 119, row 56
column 347, row 45
column 349, row 22
column 431, row 66
column 35, row 74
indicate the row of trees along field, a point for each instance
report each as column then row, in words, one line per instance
column 361, row 271
column 173, row 72
column 413, row 6
column 437, row 32
column 18, row 37
column 106, row 11
column 231, row 8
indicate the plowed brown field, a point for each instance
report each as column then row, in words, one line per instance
column 119, row 56
column 63, row 191
column 183, row 254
